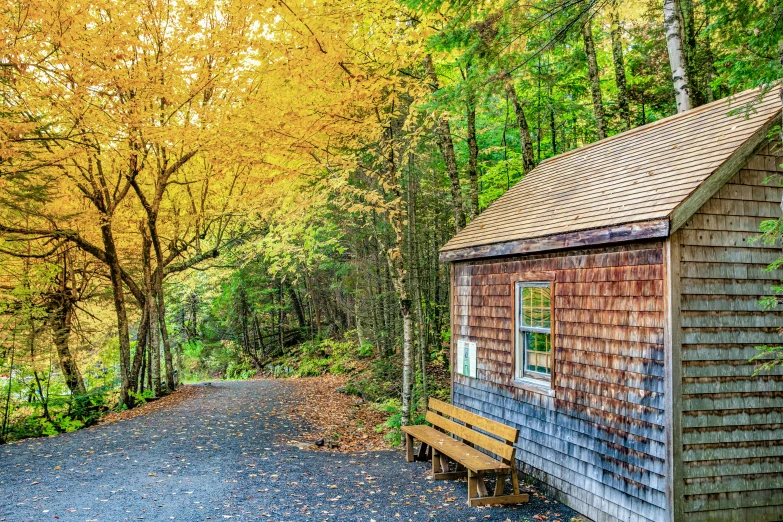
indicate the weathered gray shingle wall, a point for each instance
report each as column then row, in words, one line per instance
column 732, row 422
column 600, row 441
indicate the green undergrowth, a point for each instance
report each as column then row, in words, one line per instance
column 320, row 357
column 59, row 414
column 205, row 360
column 375, row 377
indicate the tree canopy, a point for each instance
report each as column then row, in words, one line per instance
column 181, row 180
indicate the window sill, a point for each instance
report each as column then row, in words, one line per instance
column 534, row 385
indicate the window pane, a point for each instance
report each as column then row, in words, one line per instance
column 535, row 306
column 538, row 356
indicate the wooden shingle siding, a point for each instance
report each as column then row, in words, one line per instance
column 732, row 421
column 599, row 443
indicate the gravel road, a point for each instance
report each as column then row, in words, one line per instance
column 226, row 454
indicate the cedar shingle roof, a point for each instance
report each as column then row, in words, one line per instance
column 642, row 175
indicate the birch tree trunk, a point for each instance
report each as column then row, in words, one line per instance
column 525, row 142
column 415, row 275
column 447, row 150
column 594, row 77
column 619, row 67
column 672, row 23
column 397, row 271
column 416, row 286
column 399, row 277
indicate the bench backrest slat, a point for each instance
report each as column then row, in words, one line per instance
column 507, row 433
column 499, row 448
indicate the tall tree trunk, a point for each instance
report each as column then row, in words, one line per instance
column 359, row 328
column 140, row 387
column 193, row 312
column 672, row 22
column 472, row 156
column 62, row 319
column 525, row 142
column 115, row 275
column 447, row 151
column 539, row 125
column 260, row 336
column 7, row 411
column 552, row 128
column 594, row 77
column 281, row 317
column 297, row 306
column 150, row 384
column 154, row 345
column 316, row 306
column 141, row 348
column 397, row 271
column 415, row 278
column 160, row 303
column 690, row 47
column 709, row 66
column 178, row 351
column 619, row 67
column 152, row 208
column 153, row 342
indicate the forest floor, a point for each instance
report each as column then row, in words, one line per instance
column 235, row 450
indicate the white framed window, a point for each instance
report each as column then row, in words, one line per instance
column 533, row 354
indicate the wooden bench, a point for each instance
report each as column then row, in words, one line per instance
column 470, row 462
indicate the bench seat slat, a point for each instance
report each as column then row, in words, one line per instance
column 479, row 439
column 459, row 452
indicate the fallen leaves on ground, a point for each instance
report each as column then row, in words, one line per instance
column 335, row 416
column 183, row 393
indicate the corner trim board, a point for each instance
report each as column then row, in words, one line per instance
column 673, row 380
column 615, row 234
column 452, row 340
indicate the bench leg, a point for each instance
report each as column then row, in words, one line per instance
column 482, row 486
column 476, row 486
column 500, row 484
column 515, row 479
column 445, row 474
column 409, row 447
column 436, row 468
column 421, row 455
column 472, row 486
column 477, row 491
column 444, row 463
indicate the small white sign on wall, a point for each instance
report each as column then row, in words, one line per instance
column 466, row 358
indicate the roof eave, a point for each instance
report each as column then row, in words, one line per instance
column 651, row 229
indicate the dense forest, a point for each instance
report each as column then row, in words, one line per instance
column 217, row 188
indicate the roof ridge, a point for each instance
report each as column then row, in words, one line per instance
column 653, row 124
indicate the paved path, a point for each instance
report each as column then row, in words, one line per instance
column 225, row 455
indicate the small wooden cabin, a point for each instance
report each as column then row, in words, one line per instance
column 606, row 305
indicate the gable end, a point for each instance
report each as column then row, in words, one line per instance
column 690, row 205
